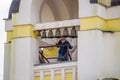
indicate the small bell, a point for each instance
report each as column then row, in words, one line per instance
column 65, row 33
column 58, row 33
column 39, row 33
column 43, row 34
column 73, row 33
column 50, row 34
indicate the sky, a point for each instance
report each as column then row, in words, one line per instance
column 4, row 9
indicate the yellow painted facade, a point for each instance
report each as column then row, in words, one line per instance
column 96, row 22
column 114, row 24
column 48, row 52
column 68, row 76
column 24, row 31
column 58, row 77
column 9, row 35
column 21, row 31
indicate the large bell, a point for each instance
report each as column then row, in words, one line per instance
column 50, row 34
column 65, row 33
column 43, row 34
column 58, row 33
column 73, row 33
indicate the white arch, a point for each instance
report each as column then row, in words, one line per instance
column 60, row 9
column 46, row 14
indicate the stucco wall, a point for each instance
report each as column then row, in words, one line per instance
column 98, row 54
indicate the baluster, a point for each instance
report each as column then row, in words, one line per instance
column 52, row 74
column 63, row 74
column 41, row 75
column 74, row 73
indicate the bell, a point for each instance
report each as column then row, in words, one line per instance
column 39, row 33
column 73, row 33
column 50, row 34
column 65, row 33
column 43, row 34
column 58, row 33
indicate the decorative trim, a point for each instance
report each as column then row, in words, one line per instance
column 26, row 30
column 9, row 36
column 96, row 22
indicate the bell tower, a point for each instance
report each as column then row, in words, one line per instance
column 33, row 28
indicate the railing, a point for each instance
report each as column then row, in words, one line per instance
column 44, row 59
column 53, row 70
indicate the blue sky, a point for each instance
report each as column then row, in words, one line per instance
column 4, row 8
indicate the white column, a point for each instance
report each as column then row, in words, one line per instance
column 25, row 49
column 13, row 60
column 7, row 61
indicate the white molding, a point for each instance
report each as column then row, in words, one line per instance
column 57, row 24
column 53, row 66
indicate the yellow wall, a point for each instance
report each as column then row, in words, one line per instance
column 114, row 24
column 58, row 77
column 68, row 76
column 47, row 77
column 9, row 35
column 96, row 22
column 24, row 31
column 50, row 51
column 21, row 31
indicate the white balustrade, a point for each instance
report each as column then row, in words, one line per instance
column 53, row 69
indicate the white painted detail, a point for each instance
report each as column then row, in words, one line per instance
column 59, row 65
column 63, row 74
column 41, row 75
column 57, row 24
column 52, row 74
column 113, row 12
column 86, row 9
column 23, row 51
column 24, row 15
column 74, row 74
column 8, row 25
column 101, row 11
column 7, row 61
column 13, row 60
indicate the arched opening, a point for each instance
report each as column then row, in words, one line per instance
column 50, row 15
column 58, row 10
